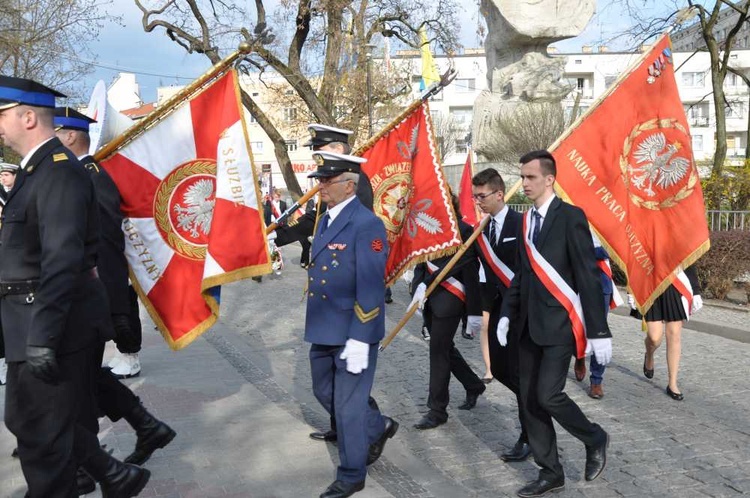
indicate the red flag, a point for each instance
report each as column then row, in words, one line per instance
column 190, row 202
column 465, row 199
column 410, row 193
column 629, row 165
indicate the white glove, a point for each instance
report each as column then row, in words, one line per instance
column 408, row 276
column 602, row 349
column 475, row 325
column 697, row 303
column 271, row 236
column 631, row 303
column 419, row 297
column 357, row 355
column 502, row 331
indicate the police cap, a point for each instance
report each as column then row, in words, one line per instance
column 70, row 119
column 19, row 91
column 322, row 135
column 331, row 164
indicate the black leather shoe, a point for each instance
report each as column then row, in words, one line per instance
column 152, row 434
column 129, row 481
column 520, row 452
column 596, row 459
column 327, row 436
column 429, row 422
column 675, row 396
column 471, row 399
column 341, row 489
column 376, row 448
column 647, row 372
column 541, row 487
column 85, row 484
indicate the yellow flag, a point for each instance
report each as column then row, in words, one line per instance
column 430, row 73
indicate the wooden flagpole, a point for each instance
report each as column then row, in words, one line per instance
column 446, row 269
column 165, row 109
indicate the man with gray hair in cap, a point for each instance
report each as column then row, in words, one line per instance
column 345, row 319
column 52, row 304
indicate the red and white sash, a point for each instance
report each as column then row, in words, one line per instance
column 682, row 284
column 615, row 299
column 450, row 284
column 558, row 287
column 275, row 212
column 499, row 268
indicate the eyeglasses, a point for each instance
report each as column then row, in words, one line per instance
column 481, row 197
column 326, row 181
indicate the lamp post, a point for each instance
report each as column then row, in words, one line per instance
column 368, row 54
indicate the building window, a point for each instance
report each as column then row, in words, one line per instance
column 697, row 114
column 580, row 82
column 291, row 145
column 252, row 119
column 461, row 147
column 734, row 110
column 256, row 146
column 339, row 111
column 465, row 85
column 694, row 79
column 697, row 142
column 290, row 114
column 461, row 115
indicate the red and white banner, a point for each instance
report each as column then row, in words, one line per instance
column 469, row 209
column 191, row 206
column 410, row 192
column 558, row 287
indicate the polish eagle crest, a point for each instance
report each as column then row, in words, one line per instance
column 657, row 163
column 198, row 210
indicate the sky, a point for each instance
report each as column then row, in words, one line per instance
column 158, row 61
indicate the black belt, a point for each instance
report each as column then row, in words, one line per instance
column 15, row 288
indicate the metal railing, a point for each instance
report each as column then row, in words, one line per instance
column 728, row 220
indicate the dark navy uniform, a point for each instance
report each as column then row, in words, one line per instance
column 346, row 302
column 443, row 311
column 50, row 230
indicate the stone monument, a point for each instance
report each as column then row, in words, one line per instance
column 519, row 70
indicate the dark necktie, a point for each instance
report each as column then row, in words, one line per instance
column 536, row 225
column 492, row 231
column 323, row 223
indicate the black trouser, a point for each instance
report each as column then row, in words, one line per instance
column 544, row 370
column 113, row 398
column 132, row 342
column 304, row 258
column 504, row 361
column 43, row 417
column 445, row 360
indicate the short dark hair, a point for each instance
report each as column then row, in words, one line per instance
column 546, row 161
column 490, row 177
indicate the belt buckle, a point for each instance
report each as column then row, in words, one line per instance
column 30, row 298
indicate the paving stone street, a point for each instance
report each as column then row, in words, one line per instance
column 240, row 400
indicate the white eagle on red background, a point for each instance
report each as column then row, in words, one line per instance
column 658, row 164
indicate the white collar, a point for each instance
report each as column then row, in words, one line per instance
column 500, row 216
column 336, row 210
column 545, row 207
column 26, row 158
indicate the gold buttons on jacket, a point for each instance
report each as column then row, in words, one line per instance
column 325, row 268
column 322, row 282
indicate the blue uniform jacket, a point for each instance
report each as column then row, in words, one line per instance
column 346, row 286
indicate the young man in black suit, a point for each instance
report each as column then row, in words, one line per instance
column 498, row 253
column 556, row 266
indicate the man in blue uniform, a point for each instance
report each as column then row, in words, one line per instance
column 345, row 319
column 53, row 305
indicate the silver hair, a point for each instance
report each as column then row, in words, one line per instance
column 351, row 176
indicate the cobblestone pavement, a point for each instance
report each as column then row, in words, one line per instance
column 241, row 402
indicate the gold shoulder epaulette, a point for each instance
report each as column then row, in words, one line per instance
column 59, row 157
column 92, row 167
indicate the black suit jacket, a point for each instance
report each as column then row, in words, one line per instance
column 565, row 242
column 268, row 211
column 443, row 303
column 111, row 263
column 50, row 232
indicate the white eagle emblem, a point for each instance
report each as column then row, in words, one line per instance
column 657, row 164
column 200, row 208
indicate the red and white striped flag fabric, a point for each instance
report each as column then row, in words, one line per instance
column 191, row 205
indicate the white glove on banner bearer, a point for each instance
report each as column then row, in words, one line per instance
column 602, row 349
column 697, row 303
column 474, row 324
column 419, row 297
column 631, row 301
column 357, row 355
column 502, row 331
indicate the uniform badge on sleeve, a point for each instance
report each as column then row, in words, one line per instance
column 377, row 245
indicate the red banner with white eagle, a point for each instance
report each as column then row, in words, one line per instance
column 410, row 192
column 191, row 207
column 629, row 165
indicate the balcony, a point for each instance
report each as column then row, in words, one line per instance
column 698, row 122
